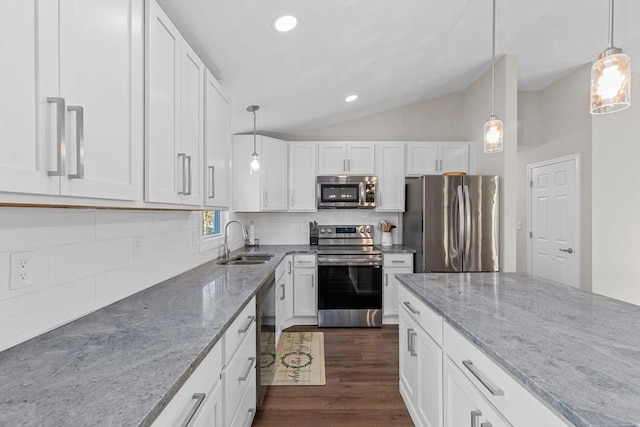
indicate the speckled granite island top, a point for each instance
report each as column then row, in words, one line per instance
column 577, row 351
column 120, row 365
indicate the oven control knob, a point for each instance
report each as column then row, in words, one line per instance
column 329, row 230
column 361, row 229
column 369, row 229
column 322, row 231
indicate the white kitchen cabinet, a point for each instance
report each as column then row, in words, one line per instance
column 200, row 397
column 302, row 176
column 267, row 190
column 420, row 371
column 390, row 172
column 175, row 114
column 350, row 158
column 463, row 405
column 284, row 295
column 434, row 158
column 393, row 264
column 72, row 98
column 217, row 145
column 305, row 278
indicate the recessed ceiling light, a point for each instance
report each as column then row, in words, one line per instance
column 285, row 23
column 351, row 98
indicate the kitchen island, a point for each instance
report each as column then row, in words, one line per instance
column 577, row 352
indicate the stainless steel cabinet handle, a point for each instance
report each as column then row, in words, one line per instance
column 409, row 331
column 246, row 374
column 483, row 380
column 440, row 165
column 486, row 424
column 79, row 142
column 250, row 413
column 189, row 177
column 398, row 261
column 304, row 261
column 212, row 189
column 293, row 198
column 411, row 309
column 199, row 398
column 569, row 251
column 282, row 297
column 313, row 280
column 264, row 198
column 436, row 160
column 474, row 418
column 184, row 172
column 413, row 343
column 245, row 328
column 348, row 165
column 60, row 133
column 289, row 271
column 386, row 279
column 344, row 165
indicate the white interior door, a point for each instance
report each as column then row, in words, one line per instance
column 555, row 221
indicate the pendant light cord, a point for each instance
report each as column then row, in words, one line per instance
column 610, row 24
column 254, row 131
column 493, row 62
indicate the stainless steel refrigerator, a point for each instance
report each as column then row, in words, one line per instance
column 452, row 222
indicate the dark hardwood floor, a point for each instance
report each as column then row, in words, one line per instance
column 361, row 367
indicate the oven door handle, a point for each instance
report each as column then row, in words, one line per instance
column 347, row 263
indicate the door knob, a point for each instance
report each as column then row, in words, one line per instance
column 569, row 251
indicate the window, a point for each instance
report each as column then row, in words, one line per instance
column 210, row 223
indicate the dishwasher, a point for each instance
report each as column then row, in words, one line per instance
column 265, row 337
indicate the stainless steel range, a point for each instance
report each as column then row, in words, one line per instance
column 349, row 277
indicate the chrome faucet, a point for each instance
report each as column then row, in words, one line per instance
column 225, row 244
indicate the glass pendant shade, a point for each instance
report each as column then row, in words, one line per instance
column 611, row 83
column 493, row 133
column 254, row 166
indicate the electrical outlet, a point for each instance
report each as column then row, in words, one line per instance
column 137, row 248
column 298, row 230
column 21, row 270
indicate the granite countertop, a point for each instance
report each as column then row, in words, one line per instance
column 122, row 364
column 577, row 351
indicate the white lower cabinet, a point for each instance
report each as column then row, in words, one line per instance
column 284, row 295
column 393, row 264
column 305, row 295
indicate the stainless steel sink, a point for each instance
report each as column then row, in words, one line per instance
column 247, row 259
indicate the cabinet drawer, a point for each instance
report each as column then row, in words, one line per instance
column 239, row 330
column 504, row 392
column 238, row 373
column 205, row 376
column 247, row 408
column 304, row 260
column 428, row 319
column 398, row 260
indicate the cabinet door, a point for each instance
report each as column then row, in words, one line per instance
column 217, row 145
column 302, row 176
column 191, row 125
column 332, row 158
column 408, row 359
column 304, row 292
column 390, row 172
column 463, row 404
column 210, row 413
column 247, row 187
column 101, row 72
column 274, row 174
column 361, row 158
column 28, row 75
column 163, row 59
column 390, row 292
column 429, row 379
column 455, row 157
column 422, row 158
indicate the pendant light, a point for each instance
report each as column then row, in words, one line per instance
column 493, row 128
column 611, row 77
column 254, row 166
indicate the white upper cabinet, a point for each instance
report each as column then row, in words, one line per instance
column 302, row 176
column 264, row 191
column 217, row 145
column 350, row 158
column 434, row 158
column 390, row 172
column 72, row 98
column 175, row 101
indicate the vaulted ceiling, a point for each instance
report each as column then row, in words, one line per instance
column 389, row 52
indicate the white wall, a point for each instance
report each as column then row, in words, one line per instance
column 83, row 260
column 616, row 201
column 557, row 123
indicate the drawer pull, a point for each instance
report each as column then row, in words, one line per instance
column 246, row 327
column 409, row 331
column 199, row 398
column 413, row 343
column 413, row 310
column 483, row 380
column 303, row 261
column 282, row 297
column 397, row 261
column 486, row 424
column 251, row 413
column 474, row 417
column 246, row 374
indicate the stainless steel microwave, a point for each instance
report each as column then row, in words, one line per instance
column 346, row 192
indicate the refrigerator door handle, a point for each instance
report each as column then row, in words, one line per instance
column 467, row 221
column 461, row 223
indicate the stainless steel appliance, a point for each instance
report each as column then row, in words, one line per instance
column 452, row 222
column 346, row 191
column 349, row 277
column 265, row 336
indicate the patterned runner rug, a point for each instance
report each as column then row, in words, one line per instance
column 299, row 360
